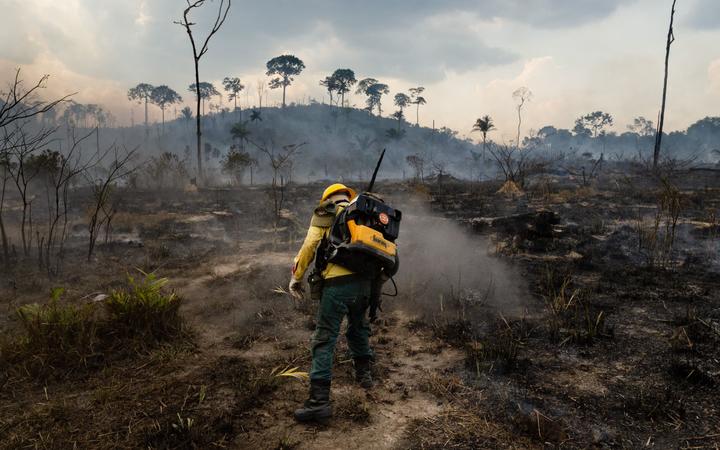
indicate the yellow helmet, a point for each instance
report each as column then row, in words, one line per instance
column 336, row 188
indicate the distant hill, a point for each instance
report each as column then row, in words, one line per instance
column 340, row 143
column 343, row 143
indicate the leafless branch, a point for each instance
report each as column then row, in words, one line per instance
column 118, row 169
column 19, row 104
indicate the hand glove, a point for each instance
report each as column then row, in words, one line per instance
column 296, row 288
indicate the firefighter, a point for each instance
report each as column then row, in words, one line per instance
column 344, row 293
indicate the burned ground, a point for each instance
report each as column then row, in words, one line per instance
column 561, row 317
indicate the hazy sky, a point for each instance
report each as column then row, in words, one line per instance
column 575, row 55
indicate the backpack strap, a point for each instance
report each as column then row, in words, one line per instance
column 323, row 215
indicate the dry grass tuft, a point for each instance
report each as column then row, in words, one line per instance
column 445, row 386
column 656, row 235
column 539, row 426
column 287, row 443
column 652, row 402
column 510, row 188
column 570, row 318
column 458, row 428
column 453, row 331
column 499, row 349
column 353, row 406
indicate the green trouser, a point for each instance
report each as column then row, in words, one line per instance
column 343, row 296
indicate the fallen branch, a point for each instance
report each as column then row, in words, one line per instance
column 710, row 326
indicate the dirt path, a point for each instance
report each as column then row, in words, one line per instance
column 373, row 419
column 220, row 303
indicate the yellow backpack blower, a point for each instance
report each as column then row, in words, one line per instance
column 362, row 236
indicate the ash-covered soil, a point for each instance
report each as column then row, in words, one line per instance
column 565, row 316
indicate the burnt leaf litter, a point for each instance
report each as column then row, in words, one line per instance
column 614, row 345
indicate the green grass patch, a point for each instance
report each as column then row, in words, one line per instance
column 52, row 336
column 61, row 336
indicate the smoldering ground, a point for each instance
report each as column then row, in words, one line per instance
column 446, row 270
column 224, row 255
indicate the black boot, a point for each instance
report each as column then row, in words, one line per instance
column 363, row 374
column 317, row 407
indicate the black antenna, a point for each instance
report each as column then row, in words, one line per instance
column 372, row 181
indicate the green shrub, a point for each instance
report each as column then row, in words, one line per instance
column 57, row 333
column 144, row 309
column 60, row 337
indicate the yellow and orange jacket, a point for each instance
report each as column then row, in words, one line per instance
column 319, row 228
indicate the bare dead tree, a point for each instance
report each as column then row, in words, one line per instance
column 417, row 162
column 198, row 53
column 102, row 190
column 5, row 176
column 661, row 120
column 279, row 161
column 59, row 177
column 110, row 209
column 521, row 95
column 440, row 168
column 253, row 164
column 583, row 174
column 514, row 162
column 19, row 104
column 22, row 145
column 261, row 91
column 667, row 167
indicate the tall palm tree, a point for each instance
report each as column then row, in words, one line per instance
column 374, row 91
column 233, row 86
column 345, row 79
column 484, row 125
column 141, row 93
column 163, row 96
column 418, row 100
column 331, row 84
column 241, row 132
column 284, row 67
column 402, row 100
